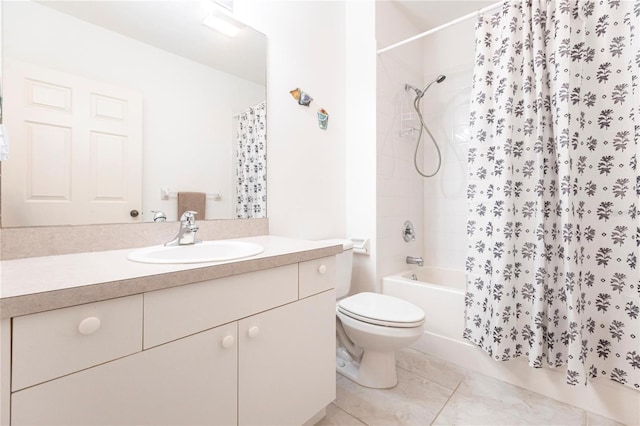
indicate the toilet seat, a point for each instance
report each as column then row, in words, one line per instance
column 381, row 309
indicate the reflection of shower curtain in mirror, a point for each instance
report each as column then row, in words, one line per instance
column 251, row 163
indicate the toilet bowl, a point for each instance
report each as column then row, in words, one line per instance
column 371, row 327
column 379, row 325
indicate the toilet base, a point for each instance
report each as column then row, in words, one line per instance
column 376, row 370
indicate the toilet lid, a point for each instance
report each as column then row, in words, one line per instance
column 381, row 309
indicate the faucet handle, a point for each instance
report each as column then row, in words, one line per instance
column 159, row 216
column 408, row 233
column 189, row 216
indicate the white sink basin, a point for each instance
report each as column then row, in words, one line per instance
column 206, row 251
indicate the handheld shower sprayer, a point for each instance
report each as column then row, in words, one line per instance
column 420, row 93
column 416, row 106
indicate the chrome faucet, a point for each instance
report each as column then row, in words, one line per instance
column 415, row 260
column 187, row 232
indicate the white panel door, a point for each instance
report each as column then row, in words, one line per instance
column 286, row 362
column 76, row 149
column 191, row 381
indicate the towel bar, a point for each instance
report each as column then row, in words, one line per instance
column 165, row 195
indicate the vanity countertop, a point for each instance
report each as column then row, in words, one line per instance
column 39, row 284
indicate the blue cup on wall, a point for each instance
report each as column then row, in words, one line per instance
column 323, row 118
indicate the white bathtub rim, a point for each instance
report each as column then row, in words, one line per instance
column 400, row 277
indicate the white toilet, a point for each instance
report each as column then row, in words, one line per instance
column 370, row 328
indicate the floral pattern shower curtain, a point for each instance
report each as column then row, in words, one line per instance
column 554, row 188
column 251, row 166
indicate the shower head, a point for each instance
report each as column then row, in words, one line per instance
column 439, row 79
column 420, row 93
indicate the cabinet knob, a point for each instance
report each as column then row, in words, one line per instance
column 89, row 325
column 322, row 269
column 253, row 332
column 228, row 342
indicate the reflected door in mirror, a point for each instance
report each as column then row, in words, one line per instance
column 76, row 156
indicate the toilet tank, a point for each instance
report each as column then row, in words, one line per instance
column 344, row 265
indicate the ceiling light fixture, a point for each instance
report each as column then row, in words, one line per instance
column 222, row 25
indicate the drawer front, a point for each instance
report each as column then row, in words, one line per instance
column 317, row 275
column 51, row 344
column 173, row 313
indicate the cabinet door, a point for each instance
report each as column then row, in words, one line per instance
column 286, row 367
column 191, row 381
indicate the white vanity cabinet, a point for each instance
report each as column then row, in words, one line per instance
column 191, row 381
column 52, row 344
column 251, row 349
column 285, row 372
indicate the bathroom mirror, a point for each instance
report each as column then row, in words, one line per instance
column 112, row 108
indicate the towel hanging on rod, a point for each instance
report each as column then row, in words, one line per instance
column 194, row 201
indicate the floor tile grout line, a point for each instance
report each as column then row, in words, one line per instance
column 355, row 417
column 453, row 391
column 342, row 409
column 447, row 402
column 358, row 419
column 431, row 380
column 584, row 414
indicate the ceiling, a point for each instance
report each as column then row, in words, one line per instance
column 428, row 14
column 176, row 26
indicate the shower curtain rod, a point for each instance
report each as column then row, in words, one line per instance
column 441, row 27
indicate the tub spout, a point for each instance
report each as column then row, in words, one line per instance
column 415, row 261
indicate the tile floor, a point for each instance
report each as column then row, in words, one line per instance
column 433, row 392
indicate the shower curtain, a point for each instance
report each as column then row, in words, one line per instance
column 554, row 188
column 251, row 163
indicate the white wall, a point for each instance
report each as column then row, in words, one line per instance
column 446, row 112
column 361, row 138
column 188, row 107
column 399, row 187
column 321, row 183
column 306, row 165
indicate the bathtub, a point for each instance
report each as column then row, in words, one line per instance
column 440, row 294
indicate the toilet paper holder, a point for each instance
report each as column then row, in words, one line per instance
column 361, row 246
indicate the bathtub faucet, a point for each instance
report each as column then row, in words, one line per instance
column 415, row 260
